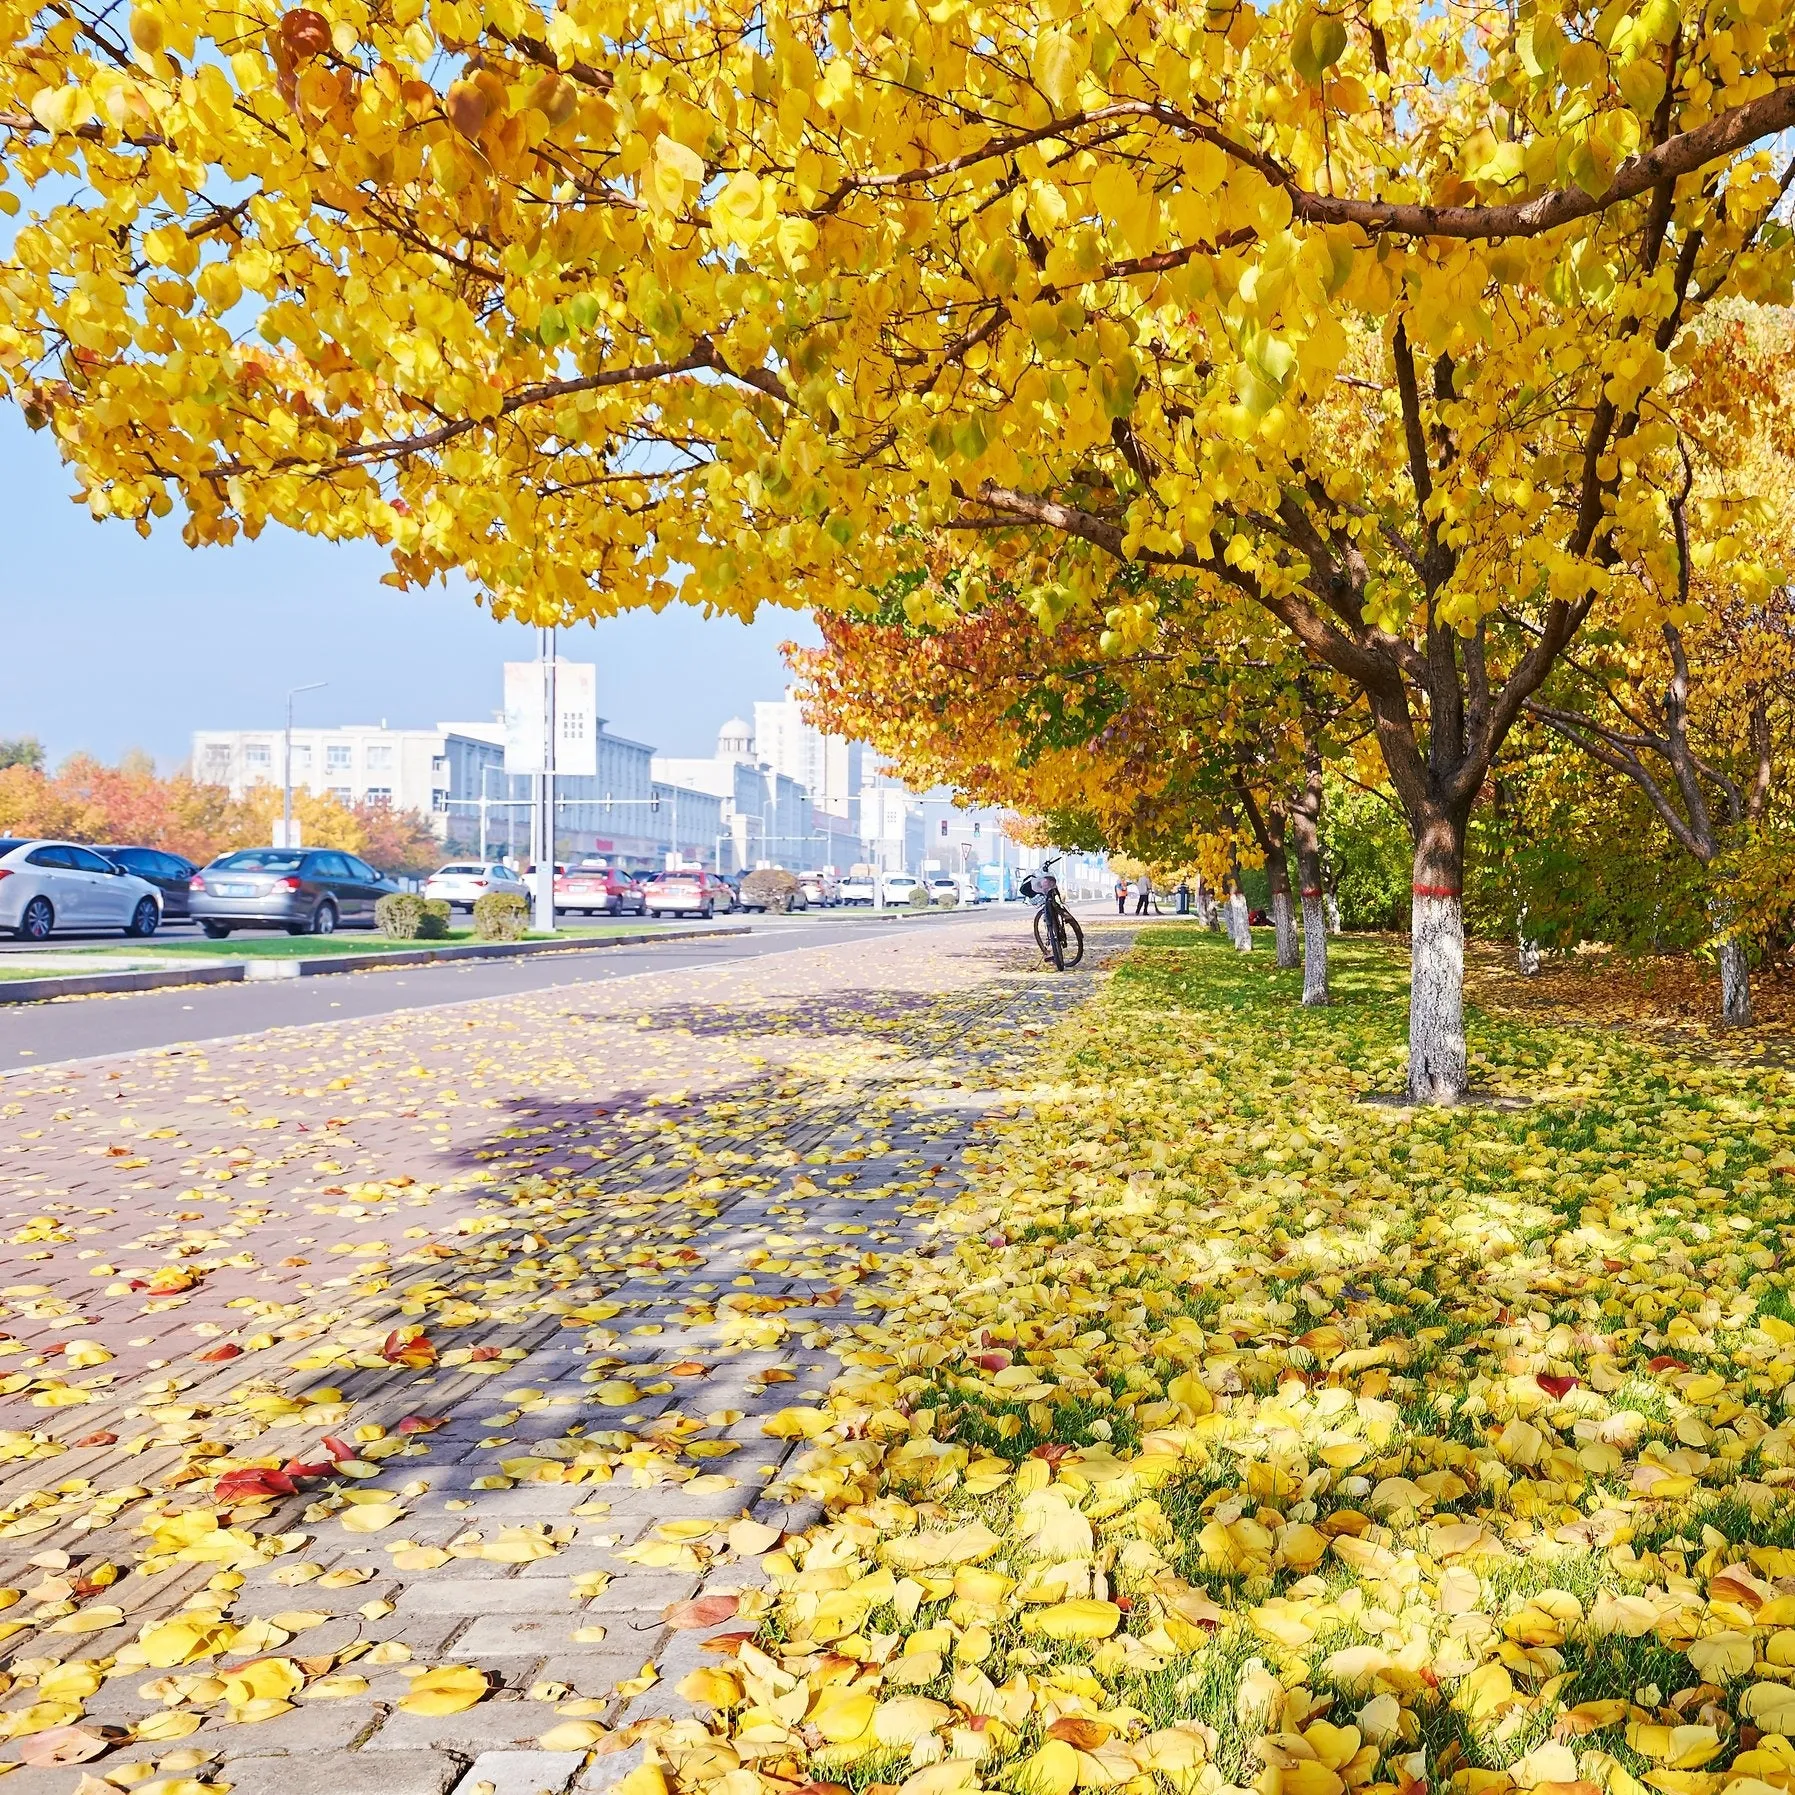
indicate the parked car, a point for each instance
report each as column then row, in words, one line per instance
column 596, row 885
column 898, row 887
column 857, row 889
column 171, row 875
column 731, row 883
column 50, row 885
column 688, row 894
column 944, row 888
column 820, row 890
column 306, row 891
column 463, row 881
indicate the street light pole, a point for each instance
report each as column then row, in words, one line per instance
column 545, row 860
column 286, row 769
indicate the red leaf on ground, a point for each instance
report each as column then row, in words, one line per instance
column 404, row 1347
column 338, row 1449
column 227, row 1351
column 254, row 1486
column 1664, row 1362
column 99, row 1439
column 1053, row 1452
column 481, row 1354
column 1558, row 1388
column 422, row 1424
column 991, row 1361
column 700, row 1611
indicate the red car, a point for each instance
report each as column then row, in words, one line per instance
column 688, row 894
column 596, row 885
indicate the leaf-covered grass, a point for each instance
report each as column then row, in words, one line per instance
column 1317, row 1437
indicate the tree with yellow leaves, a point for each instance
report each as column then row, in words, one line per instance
column 1365, row 311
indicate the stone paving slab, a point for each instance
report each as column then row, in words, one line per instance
column 242, row 1227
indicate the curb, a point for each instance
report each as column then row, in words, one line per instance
column 95, row 984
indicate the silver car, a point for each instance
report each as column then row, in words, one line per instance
column 306, row 891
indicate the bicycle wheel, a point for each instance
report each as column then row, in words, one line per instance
column 1074, row 939
column 1056, row 937
column 1041, row 932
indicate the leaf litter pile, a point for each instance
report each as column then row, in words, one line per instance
column 1228, row 1431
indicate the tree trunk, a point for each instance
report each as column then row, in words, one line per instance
column 1437, row 1067
column 1735, row 984
column 1283, row 922
column 1305, row 819
column 1526, row 948
column 1239, row 929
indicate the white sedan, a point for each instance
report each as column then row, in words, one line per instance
column 461, row 882
column 50, row 885
column 898, row 887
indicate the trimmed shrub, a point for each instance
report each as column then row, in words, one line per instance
column 770, row 888
column 920, row 897
column 404, row 916
column 400, row 916
column 502, row 916
column 946, row 900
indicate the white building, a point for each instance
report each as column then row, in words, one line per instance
column 407, row 769
column 891, row 829
column 768, row 817
column 455, row 774
column 827, row 766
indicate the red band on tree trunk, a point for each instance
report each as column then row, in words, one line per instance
column 1438, row 891
column 1310, row 891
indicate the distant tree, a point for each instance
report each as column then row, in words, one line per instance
column 21, row 751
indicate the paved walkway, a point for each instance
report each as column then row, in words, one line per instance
column 507, row 1291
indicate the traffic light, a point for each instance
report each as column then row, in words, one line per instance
column 944, row 825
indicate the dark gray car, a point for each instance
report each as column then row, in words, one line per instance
column 169, row 873
column 306, row 891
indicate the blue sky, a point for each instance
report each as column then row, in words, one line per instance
column 112, row 642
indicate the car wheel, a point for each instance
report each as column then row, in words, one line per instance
column 144, row 919
column 614, row 907
column 215, row 931
column 324, row 920
column 706, row 911
column 37, row 921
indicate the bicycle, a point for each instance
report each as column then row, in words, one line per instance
column 1057, row 933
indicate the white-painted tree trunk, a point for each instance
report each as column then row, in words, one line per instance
column 1437, row 1068
column 1735, row 984
column 1315, row 951
column 1283, row 920
column 1239, row 929
column 1333, row 914
column 1526, row 948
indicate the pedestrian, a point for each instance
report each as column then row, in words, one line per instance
column 1121, row 897
column 1143, row 894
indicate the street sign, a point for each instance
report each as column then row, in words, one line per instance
column 576, row 707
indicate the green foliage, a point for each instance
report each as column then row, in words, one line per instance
column 921, row 898
column 21, row 751
column 501, row 916
column 405, row 916
column 1066, row 712
column 1369, row 855
column 947, row 900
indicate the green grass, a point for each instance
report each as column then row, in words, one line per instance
column 278, row 947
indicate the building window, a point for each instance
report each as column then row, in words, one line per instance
column 336, row 760
column 439, row 766
column 380, row 758
column 439, row 799
column 302, row 762
column 342, row 794
column 380, row 795
column 257, row 756
column 216, row 764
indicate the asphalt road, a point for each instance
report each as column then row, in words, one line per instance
column 40, row 1034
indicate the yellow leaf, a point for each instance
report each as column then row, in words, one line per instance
column 1082, row 1618
column 444, row 1691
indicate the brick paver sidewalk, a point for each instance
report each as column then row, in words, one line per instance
column 580, row 1243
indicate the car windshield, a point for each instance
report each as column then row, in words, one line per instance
column 443, row 872
column 259, row 860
